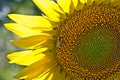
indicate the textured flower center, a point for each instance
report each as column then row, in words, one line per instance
column 88, row 43
column 96, row 47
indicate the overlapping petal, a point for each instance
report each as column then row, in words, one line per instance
column 56, row 73
column 38, row 22
column 35, row 69
column 26, row 57
column 80, row 5
column 31, row 42
column 75, row 2
column 65, row 5
column 44, row 76
column 21, row 30
column 83, row 1
column 49, row 8
column 89, row 2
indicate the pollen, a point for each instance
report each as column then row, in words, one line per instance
column 88, row 43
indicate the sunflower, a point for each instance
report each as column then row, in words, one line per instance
column 71, row 40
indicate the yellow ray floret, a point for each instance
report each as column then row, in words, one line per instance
column 75, row 2
column 83, row 1
column 49, row 8
column 22, row 30
column 38, row 22
column 37, row 68
column 26, row 57
column 30, row 42
column 65, row 5
column 44, row 76
column 57, row 74
column 89, row 2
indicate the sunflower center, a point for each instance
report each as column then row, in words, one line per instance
column 95, row 45
column 88, row 43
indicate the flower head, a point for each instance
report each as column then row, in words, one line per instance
column 73, row 39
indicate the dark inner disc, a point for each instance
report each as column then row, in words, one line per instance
column 88, row 43
column 97, row 48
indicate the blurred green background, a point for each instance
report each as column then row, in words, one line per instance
column 7, row 71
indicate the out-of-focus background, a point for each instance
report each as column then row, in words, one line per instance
column 7, row 71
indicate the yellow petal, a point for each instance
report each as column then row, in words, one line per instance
column 48, row 7
column 55, row 6
column 65, row 5
column 31, row 21
column 80, row 6
column 26, row 57
column 30, row 42
column 36, row 69
column 49, row 77
column 56, row 73
column 75, row 2
column 21, row 30
column 89, row 2
column 43, row 76
column 73, row 6
column 83, row 1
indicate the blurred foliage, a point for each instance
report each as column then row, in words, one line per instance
column 7, row 71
